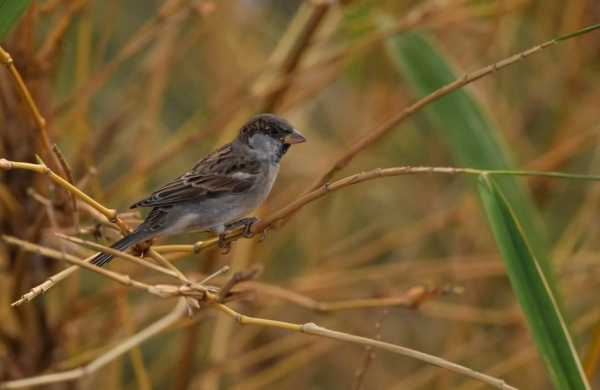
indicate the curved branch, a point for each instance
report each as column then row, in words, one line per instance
column 316, row 330
column 386, row 126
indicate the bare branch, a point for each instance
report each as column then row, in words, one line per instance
column 313, row 329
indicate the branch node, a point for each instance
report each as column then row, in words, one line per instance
column 197, row 247
column 308, row 327
column 6, row 57
column 5, row 164
column 113, row 216
column 239, row 318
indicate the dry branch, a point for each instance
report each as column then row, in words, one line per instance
column 386, row 126
column 114, row 353
column 316, row 330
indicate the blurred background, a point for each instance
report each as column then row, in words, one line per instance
column 135, row 92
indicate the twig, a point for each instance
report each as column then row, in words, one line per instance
column 324, row 189
column 238, row 277
column 194, row 291
column 327, row 188
column 119, row 278
column 271, row 220
column 39, row 120
column 110, row 214
column 411, row 299
column 385, row 127
column 369, row 354
column 69, row 176
column 106, row 358
column 313, row 329
column 118, row 253
column 223, row 270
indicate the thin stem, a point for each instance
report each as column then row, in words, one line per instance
column 39, row 120
column 118, row 253
column 110, row 214
column 114, row 353
column 271, row 220
column 119, row 278
column 411, row 299
column 189, row 290
column 313, row 329
column 376, row 134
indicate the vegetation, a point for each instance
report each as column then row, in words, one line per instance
column 436, row 231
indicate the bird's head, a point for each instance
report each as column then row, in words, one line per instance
column 269, row 134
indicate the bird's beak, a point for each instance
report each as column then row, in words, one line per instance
column 294, row 138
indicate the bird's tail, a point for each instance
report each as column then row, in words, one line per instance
column 126, row 242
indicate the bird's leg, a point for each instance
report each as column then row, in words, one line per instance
column 224, row 244
column 247, row 232
column 246, row 223
column 221, row 232
column 141, row 249
column 263, row 234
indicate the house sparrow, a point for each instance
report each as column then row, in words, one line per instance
column 220, row 189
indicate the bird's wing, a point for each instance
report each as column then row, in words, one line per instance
column 219, row 173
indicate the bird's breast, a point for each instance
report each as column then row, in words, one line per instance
column 264, row 184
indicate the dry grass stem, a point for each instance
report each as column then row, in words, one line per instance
column 381, row 130
column 122, row 348
column 316, row 330
column 118, row 97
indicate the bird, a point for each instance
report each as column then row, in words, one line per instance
column 220, row 190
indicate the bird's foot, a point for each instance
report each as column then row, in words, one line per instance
column 142, row 249
column 246, row 223
column 248, row 233
column 224, row 244
column 263, row 235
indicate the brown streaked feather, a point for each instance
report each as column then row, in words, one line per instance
column 209, row 177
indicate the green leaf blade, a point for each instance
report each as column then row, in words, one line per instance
column 532, row 290
column 10, row 13
column 458, row 119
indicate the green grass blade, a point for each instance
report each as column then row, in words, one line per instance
column 579, row 32
column 532, row 290
column 10, row 13
column 459, row 120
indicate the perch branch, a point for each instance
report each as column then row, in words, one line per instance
column 376, row 134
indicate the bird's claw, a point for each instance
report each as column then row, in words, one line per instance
column 246, row 223
column 248, row 233
column 263, row 235
column 224, row 244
